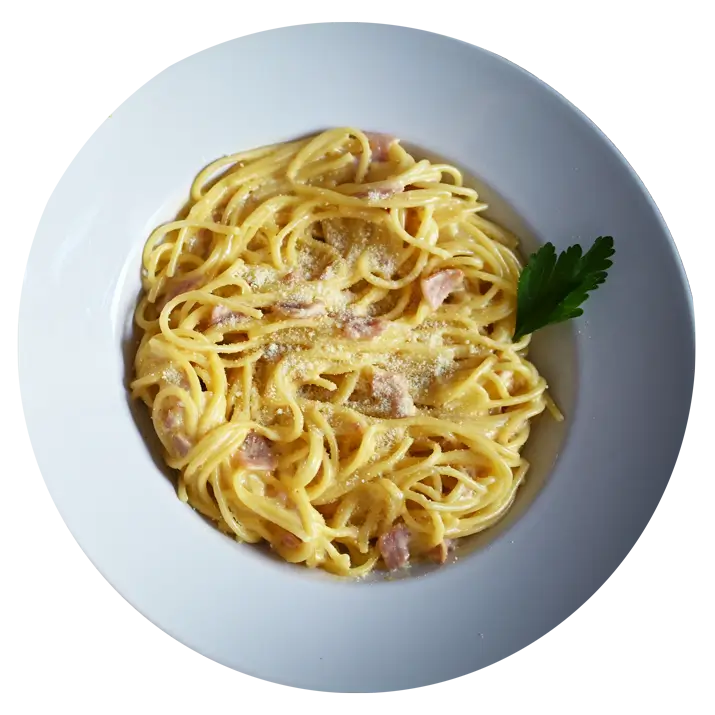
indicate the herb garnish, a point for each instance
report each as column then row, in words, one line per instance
column 551, row 289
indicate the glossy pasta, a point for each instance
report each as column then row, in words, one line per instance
column 327, row 353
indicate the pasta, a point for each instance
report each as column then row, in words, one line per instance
column 327, row 356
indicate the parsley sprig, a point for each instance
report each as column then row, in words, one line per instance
column 551, row 289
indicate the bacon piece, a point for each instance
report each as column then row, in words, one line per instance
column 439, row 553
column 359, row 328
column 439, row 285
column 394, row 391
column 257, row 453
column 380, row 191
column 394, row 547
column 300, row 309
column 380, row 145
column 222, row 316
column 176, row 286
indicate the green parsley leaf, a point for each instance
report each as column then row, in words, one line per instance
column 551, row 289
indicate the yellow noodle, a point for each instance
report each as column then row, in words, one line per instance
column 250, row 300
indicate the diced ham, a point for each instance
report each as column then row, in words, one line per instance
column 172, row 426
column 380, row 145
column 300, row 309
column 359, row 328
column 278, row 493
column 219, row 314
column 412, row 221
column 331, row 234
column 327, row 272
column 181, row 444
column 178, row 285
column 290, row 541
column 294, row 276
column 222, row 316
column 380, row 191
column 440, row 552
column 329, row 510
column 273, row 352
column 352, row 429
column 335, row 233
column 439, row 285
column 251, row 204
column 476, row 472
column 394, row 391
column 394, row 547
column 257, row 453
column 173, row 418
column 507, row 377
column 172, row 375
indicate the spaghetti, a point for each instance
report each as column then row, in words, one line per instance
column 327, row 353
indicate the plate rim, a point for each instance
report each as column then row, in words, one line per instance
column 684, row 286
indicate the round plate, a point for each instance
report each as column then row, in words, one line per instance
column 624, row 372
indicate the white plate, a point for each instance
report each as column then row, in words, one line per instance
column 623, row 373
